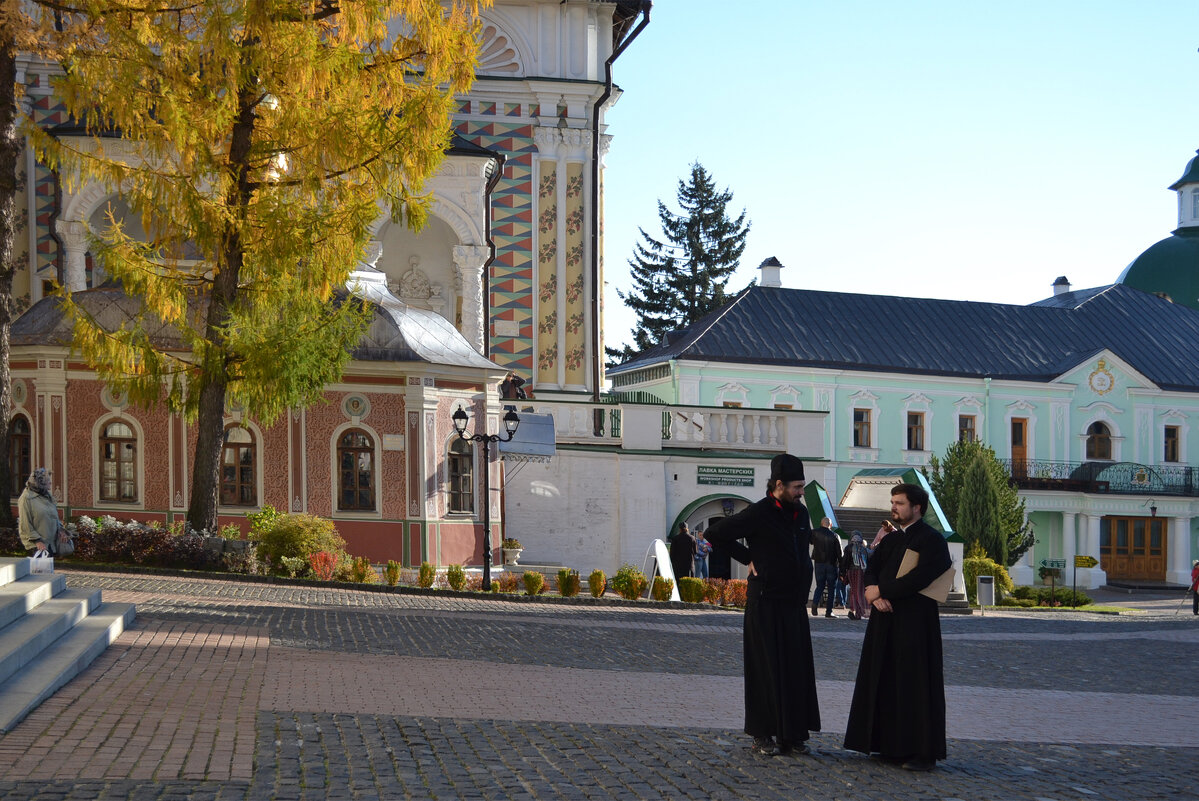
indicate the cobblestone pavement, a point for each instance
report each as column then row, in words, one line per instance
column 230, row 690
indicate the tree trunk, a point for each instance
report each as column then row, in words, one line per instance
column 10, row 150
column 202, row 510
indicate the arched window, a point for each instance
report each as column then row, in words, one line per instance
column 1099, row 442
column 462, row 476
column 238, row 457
column 356, row 472
column 118, row 464
column 20, row 452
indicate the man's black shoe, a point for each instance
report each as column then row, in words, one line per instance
column 921, row 765
column 815, row 611
column 829, row 614
column 793, row 749
column 764, row 746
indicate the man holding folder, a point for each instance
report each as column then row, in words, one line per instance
column 898, row 708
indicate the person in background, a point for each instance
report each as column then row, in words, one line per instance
column 1195, row 587
column 682, row 553
column 37, row 522
column 853, row 564
column 702, row 549
column 826, row 553
column 512, row 387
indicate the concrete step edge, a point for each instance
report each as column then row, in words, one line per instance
column 22, row 640
column 61, row 662
column 26, row 593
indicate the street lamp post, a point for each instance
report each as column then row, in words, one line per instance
column 511, row 421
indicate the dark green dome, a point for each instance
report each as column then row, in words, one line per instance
column 1190, row 175
column 1169, row 267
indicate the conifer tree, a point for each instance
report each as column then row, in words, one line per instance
column 262, row 136
column 682, row 276
column 978, row 517
column 947, row 477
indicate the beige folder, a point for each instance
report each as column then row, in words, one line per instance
column 939, row 589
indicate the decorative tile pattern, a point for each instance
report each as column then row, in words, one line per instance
column 547, row 274
column 512, row 290
column 576, row 371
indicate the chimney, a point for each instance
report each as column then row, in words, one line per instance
column 770, row 272
column 1061, row 286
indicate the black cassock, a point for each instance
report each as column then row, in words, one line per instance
column 780, row 678
column 898, row 707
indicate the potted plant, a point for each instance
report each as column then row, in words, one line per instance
column 511, row 548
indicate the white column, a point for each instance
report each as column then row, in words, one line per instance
column 1096, row 577
column 470, row 260
column 1068, row 549
column 74, row 240
column 1178, row 545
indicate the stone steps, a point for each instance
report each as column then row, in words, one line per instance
column 48, row 634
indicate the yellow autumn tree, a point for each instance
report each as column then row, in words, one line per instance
column 256, row 141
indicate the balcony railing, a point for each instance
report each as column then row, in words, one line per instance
column 654, row 426
column 1118, row 478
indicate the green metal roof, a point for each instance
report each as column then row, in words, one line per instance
column 1190, row 175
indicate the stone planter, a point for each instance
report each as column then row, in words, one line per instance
column 511, row 555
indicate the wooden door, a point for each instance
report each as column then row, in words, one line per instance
column 1019, row 447
column 1133, row 548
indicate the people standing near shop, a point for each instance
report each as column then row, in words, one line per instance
column 826, row 554
column 898, row 707
column 37, row 515
column 853, row 565
column 702, row 549
column 781, row 707
column 682, row 553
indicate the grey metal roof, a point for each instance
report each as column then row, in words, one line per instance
column 883, row 333
column 397, row 333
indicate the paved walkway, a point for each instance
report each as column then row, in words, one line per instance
column 248, row 691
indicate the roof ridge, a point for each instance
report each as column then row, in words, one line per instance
column 720, row 313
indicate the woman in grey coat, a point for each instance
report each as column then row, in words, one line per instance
column 38, row 514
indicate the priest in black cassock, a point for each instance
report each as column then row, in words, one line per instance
column 780, row 679
column 898, row 708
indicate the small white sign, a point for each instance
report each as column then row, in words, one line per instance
column 507, row 328
column 393, row 442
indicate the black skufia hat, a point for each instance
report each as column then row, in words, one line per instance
column 786, row 467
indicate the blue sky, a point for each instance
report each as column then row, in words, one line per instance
column 963, row 150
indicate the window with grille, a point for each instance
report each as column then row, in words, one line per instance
column 238, row 460
column 118, row 464
column 356, row 472
column 20, row 452
column 462, row 476
column 861, row 428
column 915, row 431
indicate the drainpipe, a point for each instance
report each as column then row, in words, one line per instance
column 987, row 401
column 597, row 288
column 492, row 182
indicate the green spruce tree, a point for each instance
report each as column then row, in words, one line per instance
column 682, row 276
column 947, row 479
column 978, row 512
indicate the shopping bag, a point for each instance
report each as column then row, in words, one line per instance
column 42, row 562
column 63, row 544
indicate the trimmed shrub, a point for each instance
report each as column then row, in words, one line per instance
column 597, row 583
column 455, row 576
column 534, row 583
column 231, row 531
column 293, row 565
column 299, row 535
column 714, row 591
column 663, row 588
column 506, row 582
column 629, row 582
column 428, row 574
column 691, row 590
column 362, row 571
column 262, row 522
column 568, row 582
column 323, row 564
column 1062, row 596
column 736, row 591
column 391, row 573
column 976, row 564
